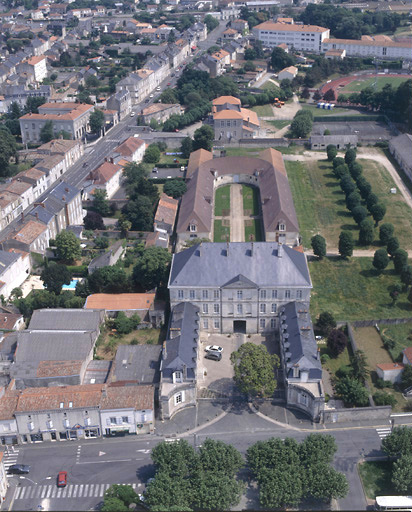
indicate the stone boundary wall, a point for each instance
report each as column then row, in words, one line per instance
column 356, row 414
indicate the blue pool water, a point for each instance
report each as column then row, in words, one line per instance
column 71, row 286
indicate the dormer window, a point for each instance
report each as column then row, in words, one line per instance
column 177, row 377
column 282, row 227
column 193, row 228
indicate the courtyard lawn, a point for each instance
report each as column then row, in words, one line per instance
column 401, row 334
column 252, row 152
column 169, row 159
column 221, row 233
column 320, row 202
column 334, row 363
column 222, row 201
column 263, row 110
column 253, row 230
column 368, row 339
column 351, row 290
column 376, row 478
column 359, row 85
column 250, row 200
column 108, row 341
column 279, row 123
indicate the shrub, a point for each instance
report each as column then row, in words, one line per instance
column 337, row 341
column 383, row 398
column 324, row 358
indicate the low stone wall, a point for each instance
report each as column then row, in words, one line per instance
column 356, row 414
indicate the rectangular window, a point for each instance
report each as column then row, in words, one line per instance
column 263, row 294
column 177, row 377
column 216, row 308
column 205, row 308
column 287, row 294
column 113, row 420
column 274, row 294
column 192, row 294
column 216, row 323
column 272, row 323
column 193, row 227
column 239, row 309
column 216, row 294
column 125, row 419
column 180, row 294
column 239, row 295
column 298, row 294
column 179, row 398
column 205, row 323
column 205, row 294
column 262, row 308
column 274, row 307
column 61, row 405
column 262, row 323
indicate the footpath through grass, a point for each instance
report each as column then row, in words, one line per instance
column 351, row 290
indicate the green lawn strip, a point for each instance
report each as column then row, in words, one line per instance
column 359, row 85
column 263, row 110
column 250, row 200
column 376, row 477
column 254, row 230
column 221, row 233
column 334, row 363
column 253, row 152
column 401, row 334
column 351, row 290
column 324, row 112
column 398, row 211
column 222, row 201
column 279, row 123
column 169, row 159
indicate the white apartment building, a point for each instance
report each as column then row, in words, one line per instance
column 371, row 46
column 300, row 37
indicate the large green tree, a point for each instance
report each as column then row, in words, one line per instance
column 96, row 121
column 402, row 475
column 152, row 154
column 398, row 442
column 8, row 149
column 124, row 493
column 100, row 203
column 152, row 268
column 68, row 247
column 47, row 132
column 280, row 59
column 203, row 138
column 380, row 260
column 175, row 188
column 346, row 244
column 54, row 276
column 352, row 392
column 254, row 369
column 110, row 279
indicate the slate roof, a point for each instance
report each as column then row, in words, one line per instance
column 181, row 346
column 277, row 202
column 7, row 259
column 262, row 263
column 302, row 348
column 402, row 144
column 36, row 346
column 65, row 320
column 138, row 363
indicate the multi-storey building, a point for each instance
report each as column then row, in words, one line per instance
column 380, row 46
column 239, row 287
column 70, row 117
column 300, row 37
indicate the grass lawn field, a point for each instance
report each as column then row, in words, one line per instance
column 376, row 478
column 253, row 152
column 401, row 334
column 320, row 203
column 263, row 110
column 369, row 340
column 268, row 86
column 334, row 363
column 253, row 230
column 279, row 123
column 359, row 85
column 323, row 112
column 222, row 201
column 250, row 200
column 169, row 159
column 351, row 290
column 108, row 341
column 221, row 233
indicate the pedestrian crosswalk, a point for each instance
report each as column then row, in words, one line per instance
column 10, row 456
column 70, row 491
column 383, row 432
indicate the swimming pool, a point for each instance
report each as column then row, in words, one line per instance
column 71, row 286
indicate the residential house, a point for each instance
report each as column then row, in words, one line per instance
column 288, row 73
column 240, row 25
column 401, row 149
column 21, row 189
column 300, row 358
column 335, row 54
column 15, row 268
column 10, row 207
column 11, row 321
column 391, row 372
column 40, row 46
column 165, row 215
column 121, row 102
column 267, row 173
column 178, row 52
column 36, row 179
column 19, row 94
column 231, row 34
column 70, row 117
column 231, row 121
column 71, row 150
column 108, row 258
column 8, row 425
column 160, row 112
column 105, row 177
column 132, row 150
column 53, row 166
column 407, row 356
column 33, row 236
column 36, row 66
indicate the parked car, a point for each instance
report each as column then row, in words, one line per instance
column 215, row 356
column 158, row 88
column 154, row 169
column 150, row 95
column 213, row 348
column 62, row 479
column 132, row 114
column 19, row 469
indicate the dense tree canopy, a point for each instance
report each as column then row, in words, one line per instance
column 54, row 276
column 110, row 279
column 67, row 246
column 152, row 268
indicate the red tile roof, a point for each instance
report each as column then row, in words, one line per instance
column 390, row 366
column 8, row 320
column 129, row 146
column 120, row 301
column 408, row 354
column 104, row 173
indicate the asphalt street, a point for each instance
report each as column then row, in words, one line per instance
column 93, row 465
column 95, row 154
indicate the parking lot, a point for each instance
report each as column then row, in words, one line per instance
column 217, row 376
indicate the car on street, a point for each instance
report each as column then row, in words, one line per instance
column 151, row 96
column 213, row 348
column 19, row 469
column 158, row 89
column 215, row 356
column 62, row 479
column 154, row 169
column 132, row 114
column 168, row 84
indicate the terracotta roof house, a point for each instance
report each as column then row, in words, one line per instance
column 407, row 356
column 390, row 371
column 11, row 322
column 165, row 215
column 105, row 177
column 266, row 173
column 132, row 149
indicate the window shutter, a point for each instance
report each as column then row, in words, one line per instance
column 183, row 396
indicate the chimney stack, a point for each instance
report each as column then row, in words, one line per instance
column 280, row 250
column 227, row 248
column 184, row 372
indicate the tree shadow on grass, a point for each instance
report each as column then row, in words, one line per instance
column 349, row 227
column 330, row 175
column 368, row 273
column 331, row 184
column 344, row 213
column 340, row 202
